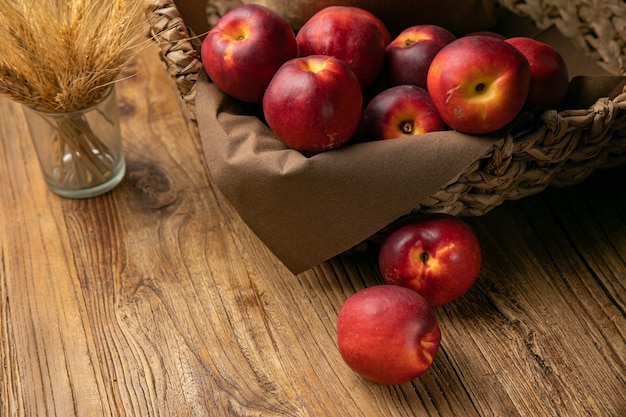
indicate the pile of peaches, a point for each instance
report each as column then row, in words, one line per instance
column 342, row 76
column 389, row 333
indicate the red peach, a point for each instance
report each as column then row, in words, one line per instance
column 313, row 103
column 245, row 48
column 379, row 23
column 436, row 255
column 388, row 334
column 549, row 78
column 408, row 56
column 349, row 34
column 479, row 83
column 400, row 111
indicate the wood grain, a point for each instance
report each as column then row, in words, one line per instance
column 156, row 299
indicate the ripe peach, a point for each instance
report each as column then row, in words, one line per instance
column 347, row 33
column 313, row 103
column 245, row 48
column 388, row 334
column 400, row 111
column 379, row 23
column 549, row 78
column 408, row 56
column 479, row 83
column 436, row 255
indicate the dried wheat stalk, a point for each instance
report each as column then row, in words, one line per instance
column 62, row 56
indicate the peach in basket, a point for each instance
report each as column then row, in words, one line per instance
column 309, row 209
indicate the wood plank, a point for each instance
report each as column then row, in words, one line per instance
column 46, row 342
column 157, row 300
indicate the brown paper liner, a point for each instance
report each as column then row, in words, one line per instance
column 309, row 209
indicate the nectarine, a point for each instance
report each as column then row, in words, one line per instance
column 245, row 48
column 400, row 111
column 436, row 255
column 313, row 103
column 349, row 34
column 549, row 78
column 408, row 55
column 388, row 334
column 479, row 83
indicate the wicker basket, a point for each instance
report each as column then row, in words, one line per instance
column 552, row 148
column 559, row 148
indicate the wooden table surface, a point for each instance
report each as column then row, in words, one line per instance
column 156, row 299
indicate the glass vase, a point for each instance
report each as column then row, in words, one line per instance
column 80, row 153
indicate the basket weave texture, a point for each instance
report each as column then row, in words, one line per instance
column 548, row 148
column 597, row 27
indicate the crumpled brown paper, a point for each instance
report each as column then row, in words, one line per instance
column 309, row 209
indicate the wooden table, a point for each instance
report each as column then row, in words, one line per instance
column 156, row 299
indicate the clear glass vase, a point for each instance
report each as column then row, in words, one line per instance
column 80, row 153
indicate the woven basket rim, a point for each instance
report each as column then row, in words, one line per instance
column 563, row 148
column 180, row 47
